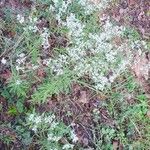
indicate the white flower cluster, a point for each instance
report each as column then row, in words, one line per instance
column 20, row 18
column 68, row 146
column 22, row 65
column 88, row 6
column 31, row 21
column 36, row 121
column 102, row 56
column 60, row 7
column 32, row 27
column 49, row 123
column 74, row 137
column 21, row 60
column 45, row 35
column 18, row 82
column 74, row 25
column 3, row 61
column 103, row 4
column 98, row 57
column 52, row 137
column 31, row 24
column 57, row 65
column 92, row 5
column 55, row 138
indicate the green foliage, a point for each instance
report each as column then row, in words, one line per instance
column 33, row 44
column 24, row 134
column 12, row 111
column 20, row 106
column 18, row 86
column 132, row 34
column 49, row 131
column 129, row 118
column 105, row 136
column 6, row 139
column 54, row 85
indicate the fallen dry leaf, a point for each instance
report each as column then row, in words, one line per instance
column 14, row 3
column 101, row 97
column 85, row 141
column 115, row 145
column 132, row 2
column 83, row 97
column 76, row 89
column 117, row 41
column 148, row 113
column 41, row 73
column 141, row 67
column 6, row 74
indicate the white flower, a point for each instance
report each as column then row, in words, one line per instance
column 55, row 2
column 68, row 146
column 49, row 119
column 88, row 6
column 20, row 68
column 112, row 78
column 38, row 119
column 59, row 72
column 145, row 45
column 51, row 8
column 82, row 2
column 33, row 28
column 21, row 59
column 56, row 138
column 21, row 55
column 20, row 18
column 31, row 117
column 96, row 111
column 74, row 25
column 46, row 62
column 54, row 125
column 33, row 19
column 18, row 82
column 45, row 40
column 3, row 61
column 110, row 56
column 51, row 137
column 34, row 128
column 74, row 137
column 46, row 44
column 53, row 116
column 34, row 67
column 99, row 86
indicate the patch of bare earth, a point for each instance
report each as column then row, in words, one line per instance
column 135, row 13
column 141, row 70
column 78, row 110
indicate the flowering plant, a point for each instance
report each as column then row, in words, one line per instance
column 51, row 132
